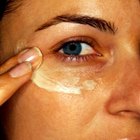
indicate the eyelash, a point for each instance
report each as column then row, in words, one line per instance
column 77, row 58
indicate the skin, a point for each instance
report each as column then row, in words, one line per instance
column 109, row 112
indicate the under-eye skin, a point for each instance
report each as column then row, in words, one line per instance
column 78, row 49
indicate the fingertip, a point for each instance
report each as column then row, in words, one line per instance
column 33, row 55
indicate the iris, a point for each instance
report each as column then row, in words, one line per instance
column 72, row 48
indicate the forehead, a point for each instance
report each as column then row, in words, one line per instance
column 96, row 7
column 123, row 14
column 117, row 10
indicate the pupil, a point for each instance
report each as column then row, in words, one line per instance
column 73, row 48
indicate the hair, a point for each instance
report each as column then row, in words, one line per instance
column 8, row 6
column 3, row 4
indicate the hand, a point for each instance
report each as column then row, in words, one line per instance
column 16, row 71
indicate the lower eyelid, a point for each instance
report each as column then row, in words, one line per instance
column 96, row 63
column 90, row 54
column 77, row 60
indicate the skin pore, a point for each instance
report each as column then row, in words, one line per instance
column 108, row 106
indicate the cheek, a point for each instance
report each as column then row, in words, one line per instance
column 58, row 109
column 48, row 111
column 53, row 109
column 60, row 79
column 69, row 95
column 68, row 106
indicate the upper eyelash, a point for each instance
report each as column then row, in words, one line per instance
column 81, row 39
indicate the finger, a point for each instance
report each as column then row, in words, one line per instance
column 12, row 80
column 8, row 64
column 17, row 76
column 25, row 55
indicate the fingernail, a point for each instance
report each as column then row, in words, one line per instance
column 33, row 55
column 21, row 70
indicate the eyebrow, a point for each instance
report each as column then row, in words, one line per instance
column 98, row 23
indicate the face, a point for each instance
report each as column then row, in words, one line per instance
column 88, row 85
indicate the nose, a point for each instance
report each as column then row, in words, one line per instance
column 125, row 96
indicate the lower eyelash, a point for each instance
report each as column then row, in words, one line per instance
column 76, row 58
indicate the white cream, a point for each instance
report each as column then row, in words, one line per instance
column 51, row 85
column 89, row 85
column 71, row 85
column 67, row 84
column 20, row 46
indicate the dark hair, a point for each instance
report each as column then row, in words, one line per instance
column 8, row 6
column 2, row 133
column 3, row 4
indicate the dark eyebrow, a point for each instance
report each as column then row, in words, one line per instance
column 100, row 24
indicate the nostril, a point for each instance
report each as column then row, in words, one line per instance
column 128, row 113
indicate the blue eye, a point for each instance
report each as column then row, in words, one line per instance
column 79, row 50
column 76, row 48
column 72, row 48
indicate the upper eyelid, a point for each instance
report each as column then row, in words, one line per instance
column 51, row 40
column 84, row 39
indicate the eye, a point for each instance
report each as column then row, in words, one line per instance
column 76, row 48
